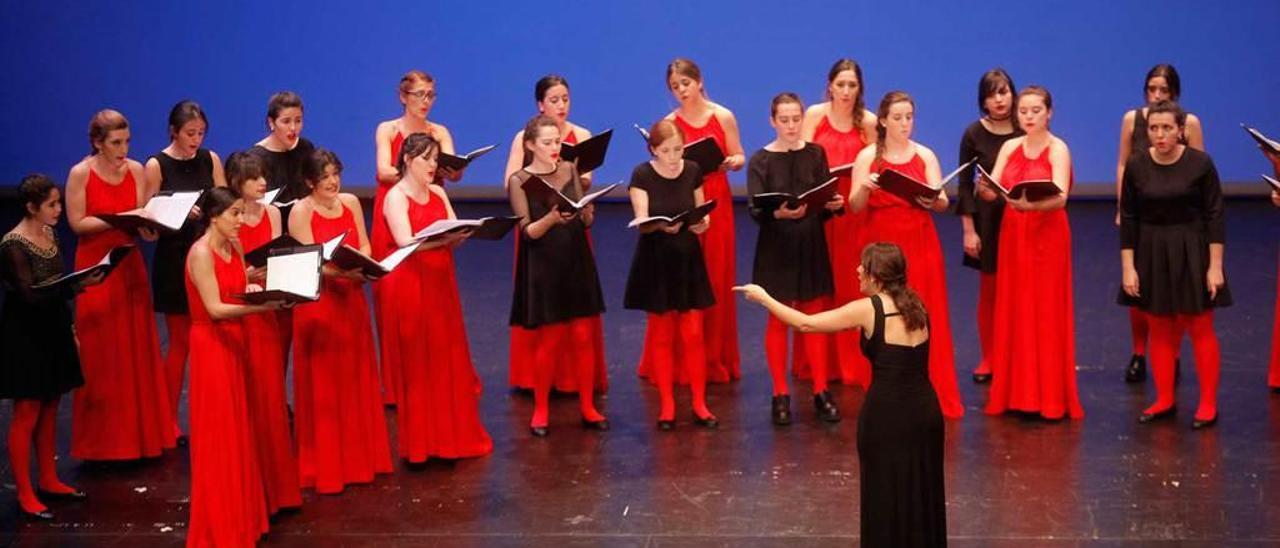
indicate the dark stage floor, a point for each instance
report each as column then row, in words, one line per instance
column 1010, row 481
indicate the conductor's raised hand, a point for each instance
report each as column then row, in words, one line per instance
column 752, row 292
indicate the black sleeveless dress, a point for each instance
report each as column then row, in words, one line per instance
column 39, row 359
column 900, row 437
column 168, row 288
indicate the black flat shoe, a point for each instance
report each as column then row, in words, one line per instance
column 1137, row 370
column 538, row 431
column 74, row 495
column 45, row 515
column 827, row 410
column 1158, row 415
column 666, row 425
column 601, row 425
column 981, row 378
column 1198, row 424
column 781, row 410
column 710, row 421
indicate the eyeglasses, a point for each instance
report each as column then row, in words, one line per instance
column 422, row 95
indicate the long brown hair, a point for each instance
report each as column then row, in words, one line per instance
column 884, row 262
column 888, row 101
column 859, row 104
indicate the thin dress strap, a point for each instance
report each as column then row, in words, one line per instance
column 878, row 326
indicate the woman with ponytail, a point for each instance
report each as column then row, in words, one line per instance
column 900, row 430
column 910, row 226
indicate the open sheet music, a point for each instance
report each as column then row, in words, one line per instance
column 293, row 275
column 458, row 163
column 104, row 266
column 486, row 228
column 1034, row 190
column 689, row 217
column 589, row 153
column 816, row 198
column 539, row 190
column 165, row 212
column 908, row 188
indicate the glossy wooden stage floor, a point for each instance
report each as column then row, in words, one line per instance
column 1011, row 481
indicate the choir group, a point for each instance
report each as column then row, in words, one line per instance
column 815, row 261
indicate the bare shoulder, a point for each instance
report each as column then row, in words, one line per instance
column 869, row 119
column 817, row 111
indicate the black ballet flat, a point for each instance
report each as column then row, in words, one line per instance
column 781, row 410
column 539, row 431
column 1137, row 370
column 827, row 410
column 1198, row 424
column 1275, row 389
column 709, row 422
column 666, row 425
column 73, row 496
column 981, row 378
column 1158, row 415
column 182, row 440
column 601, row 425
column 45, row 515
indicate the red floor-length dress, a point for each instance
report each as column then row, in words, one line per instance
column 564, row 377
column 439, row 410
column 892, row 219
column 1033, row 365
column 382, row 244
column 1273, row 378
column 844, row 233
column 339, row 424
column 268, row 409
column 720, row 321
column 228, row 507
column 122, row 411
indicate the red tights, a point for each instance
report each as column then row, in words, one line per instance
column 678, row 334
column 572, row 340
column 1166, row 337
column 1139, row 328
column 33, row 421
column 175, row 360
column 775, row 348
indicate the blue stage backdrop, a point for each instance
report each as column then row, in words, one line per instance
column 65, row 60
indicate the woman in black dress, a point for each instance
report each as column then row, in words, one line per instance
column 900, row 430
column 557, row 289
column 1171, row 247
column 791, row 250
column 980, row 218
column 40, row 362
column 1161, row 84
column 181, row 167
column 668, row 276
column 284, row 151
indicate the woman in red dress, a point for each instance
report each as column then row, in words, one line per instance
column 265, row 387
column 227, row 503
column 842, row 126
column 122, row 411
column 439, row 400
column 1273, row 375
column 557, row 288
column 551, row 94
column 910, row 226
column 339, row 425
column 1033, row 357
column 698, row 117
column 417, row 95
column 1161, row 84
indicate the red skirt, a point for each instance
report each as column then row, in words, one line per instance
column 439, row 393
column 1273, row 379
column 380, row 245
column 339, row 424
column 268, row 412
column 123, row 411
column 1033, row 361
column 227, row 503
column 912, row 230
